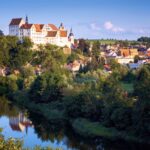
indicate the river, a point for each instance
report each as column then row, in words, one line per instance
column 34, row 130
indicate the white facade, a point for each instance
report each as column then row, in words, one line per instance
column 41, row 33
column 124, row 60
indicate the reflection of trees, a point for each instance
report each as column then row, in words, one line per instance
column 57, row 130
column 7, row 109
column 47, row 130
column 77, row 142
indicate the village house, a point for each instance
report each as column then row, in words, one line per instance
column 148, row 52
column 41, row 33
column 75, row 66
column 124, row 60
column 142, row 51
column 126, row 52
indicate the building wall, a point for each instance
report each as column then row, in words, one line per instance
column 39, row 37
column 14, row 30
column 124, row 60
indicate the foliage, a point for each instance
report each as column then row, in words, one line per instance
column 14, row 54
column 141, row 114
column 127, row 87
column 10, row 144
column 96, row 49
column 129, row 76
column 72, row 57
column 136, row 59
column 16, row 144
column 46, row 88
column 87, row 104
column 144, row 39
column 83, row 45
column 7, row 86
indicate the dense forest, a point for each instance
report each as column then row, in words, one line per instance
column 94, row 102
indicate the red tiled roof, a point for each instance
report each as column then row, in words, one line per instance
column 51, row 33
column 148, row 53
column 38, row 27
column 63, row 33
column 53, row 26
column 26, row 26
column 15, row 21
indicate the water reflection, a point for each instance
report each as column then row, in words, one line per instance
column 20, row 122
column 34, row 129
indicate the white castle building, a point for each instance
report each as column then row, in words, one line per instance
column 41, row 33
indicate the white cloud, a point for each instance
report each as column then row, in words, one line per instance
column 118, row 29
column 109, row 26
column 95, row 27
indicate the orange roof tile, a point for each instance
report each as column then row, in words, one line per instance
column 38, row 27
column 15, row 21
column 53, row 26
column 63, row 33
column 51, row 33
column 26, row 26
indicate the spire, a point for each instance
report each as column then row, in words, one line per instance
column 71, row 32
column 61, row 27
column 26, row 19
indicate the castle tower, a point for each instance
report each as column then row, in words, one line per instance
column 71, row 37
column 27, row 19
column 61, row 27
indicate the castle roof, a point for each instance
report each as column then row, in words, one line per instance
column 38, row 27
column 26, row 26
column 51, row 33
column 63, row 33
column 15, row 21
column 54, row 33
column 53, row 26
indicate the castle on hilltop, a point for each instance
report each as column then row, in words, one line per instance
column 41, row 33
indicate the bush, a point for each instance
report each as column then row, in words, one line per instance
column 10, row 144
column 87, row 104
column 7, row 86
column 46, row 88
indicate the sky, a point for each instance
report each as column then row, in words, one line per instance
column 90, row 19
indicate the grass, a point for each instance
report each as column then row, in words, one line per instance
column 92, row 129
column 103, row 41
column 87, row 128
column 127, row 87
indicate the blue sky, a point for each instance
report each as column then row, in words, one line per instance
column 92, row 19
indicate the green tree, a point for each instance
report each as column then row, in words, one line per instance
column 47, row 88
column 72, row 57
column 4, row 51
column 96, row 49
column 7, row 86
column 141, row 116
column 136, row 59
column 83, row 45
column 87, row 104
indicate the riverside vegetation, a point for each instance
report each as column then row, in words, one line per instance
column 95, row 103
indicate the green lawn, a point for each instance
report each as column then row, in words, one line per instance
column 127, row 87
column 91, row 129
column 87, row 128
